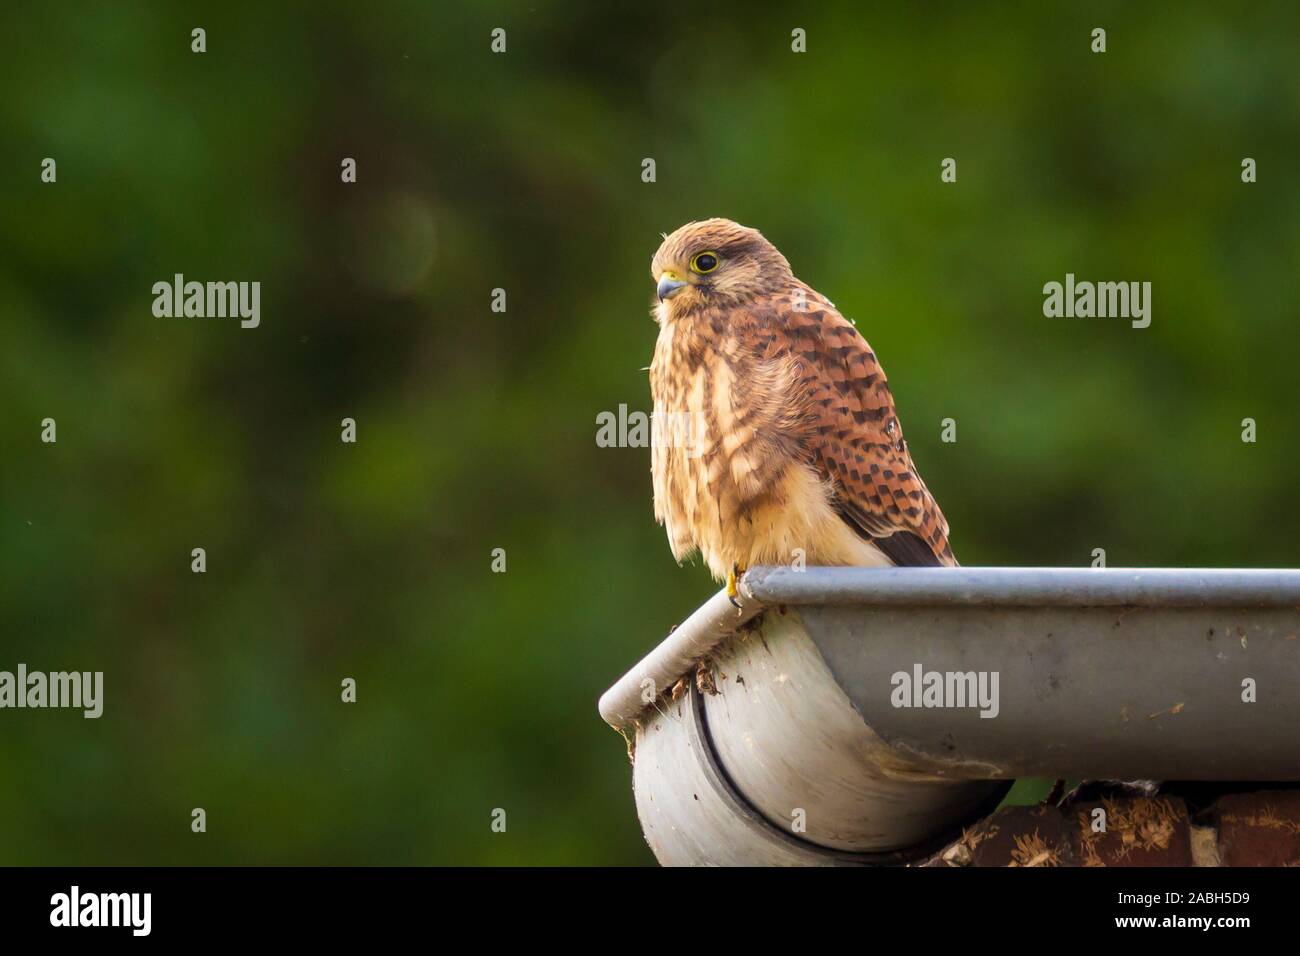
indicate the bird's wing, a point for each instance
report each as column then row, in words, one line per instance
column 852, row 437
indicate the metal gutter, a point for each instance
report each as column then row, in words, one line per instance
column 1026, row 587
column 675, row 657
column 717, row 618
column 1126, row 672
column 878, row 708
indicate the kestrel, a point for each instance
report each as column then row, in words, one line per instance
column 775, row 436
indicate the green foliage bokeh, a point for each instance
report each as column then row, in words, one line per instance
column 477, row 430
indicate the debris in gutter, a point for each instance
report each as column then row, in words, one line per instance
column 1176, row 709
column 1260, row 828
column 704, row 677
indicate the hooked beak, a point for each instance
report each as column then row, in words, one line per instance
column 669, row 286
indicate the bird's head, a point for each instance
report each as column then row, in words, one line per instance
column 715, row 262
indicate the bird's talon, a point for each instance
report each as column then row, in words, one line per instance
column 731, row 586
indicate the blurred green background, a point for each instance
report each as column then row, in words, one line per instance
column 476, row 430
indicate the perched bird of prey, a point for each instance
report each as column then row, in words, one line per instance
column 775, row 437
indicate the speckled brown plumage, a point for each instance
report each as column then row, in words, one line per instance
column 775, row 436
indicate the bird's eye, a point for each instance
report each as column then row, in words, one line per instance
column 704, row 262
